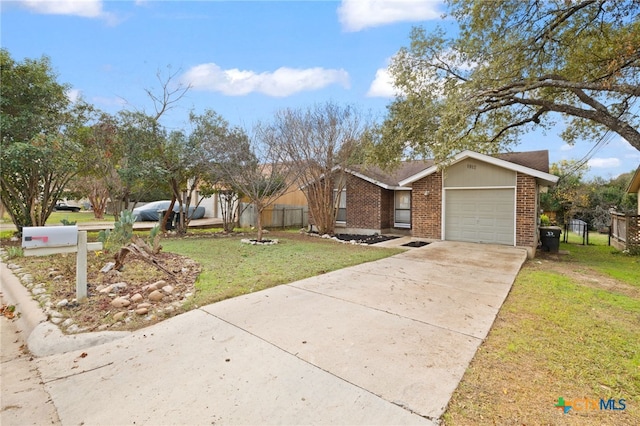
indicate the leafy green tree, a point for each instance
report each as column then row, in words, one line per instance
column 569, row 197
column 515, row 66
column 38, row 155
column 102, row 154
column 605, row 196
column 216, row 151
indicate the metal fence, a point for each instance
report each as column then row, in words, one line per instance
column 579, row 227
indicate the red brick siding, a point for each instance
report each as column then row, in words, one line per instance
column 526, row 210
column 364, row 204
column 426, row 210
column 388, row 209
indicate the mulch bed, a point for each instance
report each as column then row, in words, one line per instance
column 364, row 239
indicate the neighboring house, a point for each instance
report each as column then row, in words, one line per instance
column 290, row 209
column 475, row 198
column 625, row 229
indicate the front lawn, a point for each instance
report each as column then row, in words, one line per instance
column 231, row 268
column 569, row 328
column 228, row 268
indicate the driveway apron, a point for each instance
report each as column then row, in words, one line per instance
column 385, row 342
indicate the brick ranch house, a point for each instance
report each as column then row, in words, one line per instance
column 476, row 198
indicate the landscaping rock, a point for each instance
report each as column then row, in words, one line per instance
column 38, row 290
column 106, row 289
column 106, row 268
column 119, row 286
column 142, row 311
column 156, row 296
column 143, row 305
column 62, row 303
column 168, row 289
column 136, row 298
column 119, row 316
column 120, row 302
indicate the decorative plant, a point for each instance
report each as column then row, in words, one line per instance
column 544, row 220
column 122, row 233
column 154, row 239
column 13, row 252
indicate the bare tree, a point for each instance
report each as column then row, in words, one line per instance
column 171, row 153
column 256, row 171
column 229, row 204
column 318, row 143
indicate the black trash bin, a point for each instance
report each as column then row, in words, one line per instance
column 550, row 238
column 169, row 224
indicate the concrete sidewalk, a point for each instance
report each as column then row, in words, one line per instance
column 385, row 342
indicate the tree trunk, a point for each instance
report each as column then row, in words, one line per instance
column 259, row 209
column 167, row 215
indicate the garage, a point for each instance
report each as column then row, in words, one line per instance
column 479, row 198
column 480, row 215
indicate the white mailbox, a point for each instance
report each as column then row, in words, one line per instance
column 49, row 236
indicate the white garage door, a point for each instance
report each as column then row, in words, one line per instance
column 480, row 215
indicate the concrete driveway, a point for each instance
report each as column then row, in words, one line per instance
column 385, row 342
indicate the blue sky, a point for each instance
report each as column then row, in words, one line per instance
column 245, row 60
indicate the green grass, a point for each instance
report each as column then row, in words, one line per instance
column 595, row 238
column 606, row 260
column 231, row 268
column 79, row 217
column 570, row 327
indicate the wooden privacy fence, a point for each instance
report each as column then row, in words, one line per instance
column 625, row 232
column 278, row 216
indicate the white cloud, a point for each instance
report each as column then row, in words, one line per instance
column 279, row 83
column 73, row 95
column 382, row 85
column 82, row 8
column 566, row 147
column 629, row 150
column 85, row 8
column 601, row 163
column 356, row 15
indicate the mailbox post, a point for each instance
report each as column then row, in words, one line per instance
column 47, row 240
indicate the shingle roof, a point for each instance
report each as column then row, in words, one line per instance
column 393, row 177
column 537, row 160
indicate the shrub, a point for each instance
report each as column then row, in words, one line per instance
column 544, row 220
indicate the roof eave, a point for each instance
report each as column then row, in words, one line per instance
column 634, row 185
column 543, row 177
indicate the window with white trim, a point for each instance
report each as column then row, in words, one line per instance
column 342, row 205
column 402, row 214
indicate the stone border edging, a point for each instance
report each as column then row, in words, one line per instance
column 41, row 336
